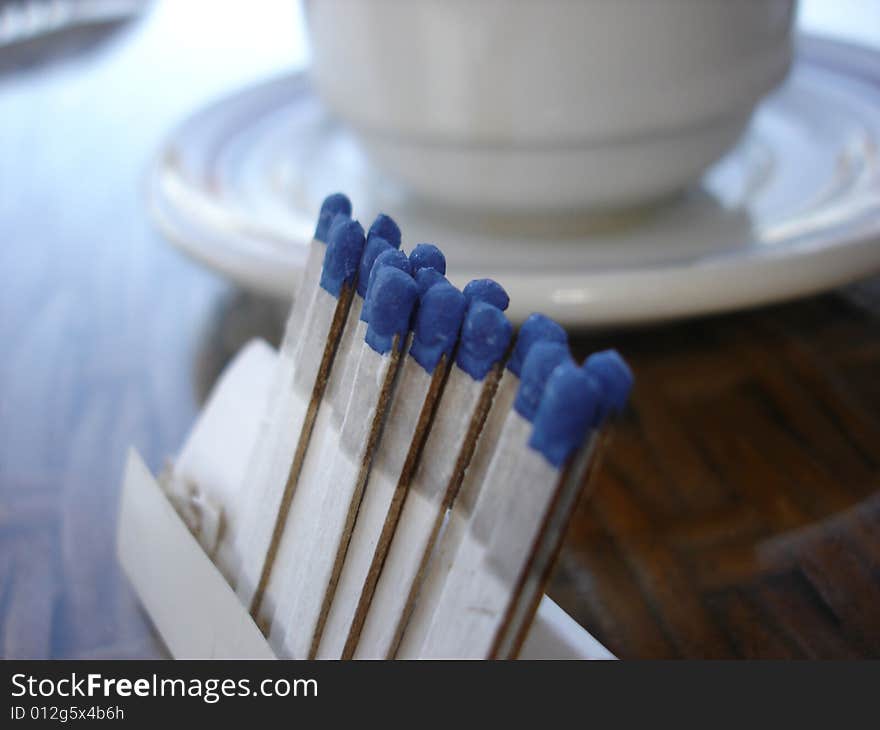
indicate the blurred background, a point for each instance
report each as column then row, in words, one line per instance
column 736, row 515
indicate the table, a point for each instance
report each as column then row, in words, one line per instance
column 736, row 513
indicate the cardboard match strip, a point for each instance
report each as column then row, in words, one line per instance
column 501, row 529
column 377, row 255
column 313, row 562
column 422, row 378
column 280, row 453
column 425, row 593
column 573, row 484
column 436, row 329
column 522, row 512
column 331, row 409
column 614, row 380
column 162, row 558
column 316, row 543
column 426, row 263
column 310, row 488
column 458, row 421
column 276, row 404
column 408, row 422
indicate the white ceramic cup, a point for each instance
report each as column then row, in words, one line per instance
column 547, row 104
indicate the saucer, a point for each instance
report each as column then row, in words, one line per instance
column 793, row 210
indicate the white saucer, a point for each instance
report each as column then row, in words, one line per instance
column 793, row 210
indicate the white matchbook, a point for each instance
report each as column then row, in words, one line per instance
column 194, row 609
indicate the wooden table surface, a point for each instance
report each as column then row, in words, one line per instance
column 737, row 513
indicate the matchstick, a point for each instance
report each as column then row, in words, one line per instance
column 383, row 244
column 536, row 328
column 315, row 545
column 334, row 206
column 422, row 377
column 383, row 236
column 461, row 412
column 615, row 381
column 278, row 458
column 500, row 532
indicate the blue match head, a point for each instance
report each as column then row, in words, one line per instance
column 374, row 246
column 536, row 328
column 337, row 224
column 389, row 257
column 543, row 359
column 614, row 377
column 426, row 278
column 427, row 256
column 391, row 299
column 486, row 290
column 485, row 337
column 343, row 256
column 566, row 413
column 385, row 227
column 437, row 323
column 333, row 205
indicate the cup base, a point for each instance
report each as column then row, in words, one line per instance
column 594, row 176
